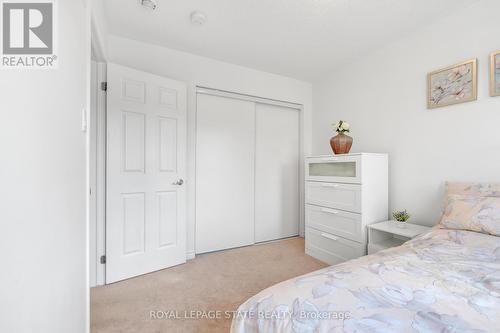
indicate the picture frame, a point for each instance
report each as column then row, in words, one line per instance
column 452, row 85
column 495, row 74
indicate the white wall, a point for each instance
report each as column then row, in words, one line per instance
column 99, row 29
column 196, row 70
column 43, row 191
column 383, row 95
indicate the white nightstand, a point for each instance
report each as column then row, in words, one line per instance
column 384, row 235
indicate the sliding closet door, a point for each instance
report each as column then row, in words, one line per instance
column 277, row 158
column 225, row 153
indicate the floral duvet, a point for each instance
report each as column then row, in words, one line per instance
column 443, row 281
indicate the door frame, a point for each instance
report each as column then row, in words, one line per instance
column 97, row 191
column 200, row 89
column 96, row 211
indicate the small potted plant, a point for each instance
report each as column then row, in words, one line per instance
column 341, row 143
column 401, row 217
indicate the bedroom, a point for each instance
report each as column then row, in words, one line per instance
column 246, row 88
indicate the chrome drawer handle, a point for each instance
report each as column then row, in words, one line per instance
column 333, row 238
column 331, row 211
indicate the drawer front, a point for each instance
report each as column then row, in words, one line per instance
column 337, row 222
column 330, row 248
column 342, row 169
column 333, row 195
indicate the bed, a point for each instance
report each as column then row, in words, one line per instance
column 446, row 280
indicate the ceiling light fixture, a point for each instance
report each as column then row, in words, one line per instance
column 198, row 18
column 149, row 4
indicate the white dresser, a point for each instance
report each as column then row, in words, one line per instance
column 343, row 194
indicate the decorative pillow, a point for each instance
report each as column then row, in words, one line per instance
column 474, row 213
column 473, row 189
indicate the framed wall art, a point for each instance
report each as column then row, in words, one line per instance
column 495, row 74
column 452, row 85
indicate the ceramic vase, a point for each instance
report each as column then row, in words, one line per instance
column 341, row 143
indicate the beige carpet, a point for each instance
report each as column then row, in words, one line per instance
column 215, row 281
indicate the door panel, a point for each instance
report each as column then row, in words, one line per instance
column 225, row 144
column 167, row 218
column 133, row 90
column 133, row 223
column 168, row 144
column 146, row 151
column 277, row 154
column 134, row 132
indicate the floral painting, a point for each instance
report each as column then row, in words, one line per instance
column 453, row 85
column 495, row 74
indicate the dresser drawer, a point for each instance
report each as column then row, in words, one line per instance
column 330, row 248
column 341, row 169
column 334, row 195
column 337, row 222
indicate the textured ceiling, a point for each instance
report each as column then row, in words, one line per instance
column 297, row 38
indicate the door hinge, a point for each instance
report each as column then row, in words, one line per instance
column 104, row 86
column 103, row 260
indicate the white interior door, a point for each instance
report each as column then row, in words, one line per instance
column 277, row 156
column 225, row 146
column 146, row 151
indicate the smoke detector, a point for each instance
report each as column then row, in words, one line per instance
column 149, row 4
column 198, row 18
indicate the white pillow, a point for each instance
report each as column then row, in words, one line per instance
column 474, row 213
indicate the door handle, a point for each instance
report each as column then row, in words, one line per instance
column 179, row 182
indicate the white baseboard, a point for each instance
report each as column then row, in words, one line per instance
column 190, row 255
